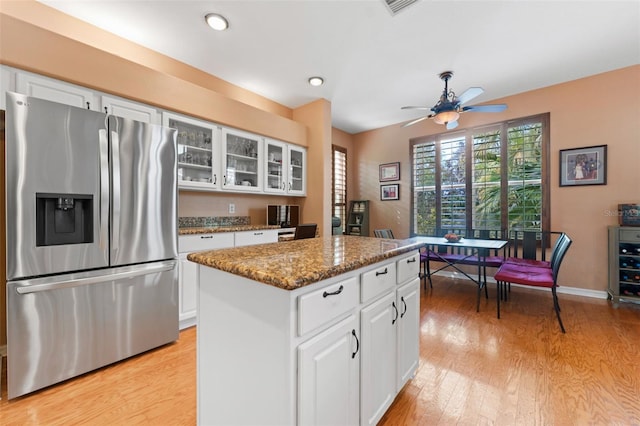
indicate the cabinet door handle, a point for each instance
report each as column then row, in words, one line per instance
column 224, row 180
column 382, row 273
column 333, row 293
column 412, row 260
column 404, row 305
column 396, row 311
column 215, row 179
column 353, row 333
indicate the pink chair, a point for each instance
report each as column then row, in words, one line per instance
column 535, row 275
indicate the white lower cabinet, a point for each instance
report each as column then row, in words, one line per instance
column 378, row 379
column 188, row 271
column 408, row 331
column 328, row 376
column 390, row 336
column 331, row 353
column 187, row 289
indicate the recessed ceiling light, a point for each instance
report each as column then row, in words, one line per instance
column 217, row 22
column 316, row 81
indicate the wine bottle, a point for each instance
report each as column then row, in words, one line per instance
column 624, row 263
column 624, row 250
column 626, row 290
column 624, row 277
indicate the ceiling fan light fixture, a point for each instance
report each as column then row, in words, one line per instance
column 444, row 117
column 216, row 21
column 316, row 81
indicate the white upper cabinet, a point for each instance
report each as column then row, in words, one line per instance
column 198, row 152
column 285, row 168
column 275, row 179
column 128, row 109
column 55, row 91
column 242, row 158
column 297, row 175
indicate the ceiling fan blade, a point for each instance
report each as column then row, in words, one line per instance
column 417, row 107
column 452, row 125
column 469, row 94
column 417, row 120
column 486, row 108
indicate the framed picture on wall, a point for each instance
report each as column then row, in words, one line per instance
column 583, row 166
column 390, row 192
column 389, row 172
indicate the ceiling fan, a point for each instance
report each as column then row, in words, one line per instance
column 449, row 106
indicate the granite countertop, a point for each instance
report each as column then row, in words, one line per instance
column 193, row 230
column 293, row 264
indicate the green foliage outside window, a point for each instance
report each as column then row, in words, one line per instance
column 501, row 181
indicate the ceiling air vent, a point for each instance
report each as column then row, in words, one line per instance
column 396, row 6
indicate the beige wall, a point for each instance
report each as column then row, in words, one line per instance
column 598, row 110
column 317, row 116
column 70, row 50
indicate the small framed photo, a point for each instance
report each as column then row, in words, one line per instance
column 583, row 166
column 389, row 172
column 390, row 192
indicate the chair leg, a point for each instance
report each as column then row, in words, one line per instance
column 498, row 297
column 556, row 305
column 486, row 292
column 428, row 269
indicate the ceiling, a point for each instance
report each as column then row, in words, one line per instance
column 374, row 62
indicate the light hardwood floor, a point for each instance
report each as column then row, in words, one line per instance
column 474, row 370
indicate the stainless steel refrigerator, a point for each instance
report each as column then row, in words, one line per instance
column 91, row 207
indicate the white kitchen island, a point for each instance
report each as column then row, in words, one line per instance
column 316, row 331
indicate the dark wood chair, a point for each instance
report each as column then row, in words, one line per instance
column 383, row 233
column 305, row 230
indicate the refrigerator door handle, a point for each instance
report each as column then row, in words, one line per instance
column 115, row 149
column 32, row 286
column 104, row 189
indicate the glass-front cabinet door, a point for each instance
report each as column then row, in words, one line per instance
column 242, row 160
column 297, row 175
column 198, row 152
column 276, row 166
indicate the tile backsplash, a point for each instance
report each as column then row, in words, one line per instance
column 209, row 221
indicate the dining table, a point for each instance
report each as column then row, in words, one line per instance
column 471, row 251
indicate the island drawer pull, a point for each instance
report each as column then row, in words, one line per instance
column 382, row 273
column 411, row 260
column 333, row 293
column 206, row 237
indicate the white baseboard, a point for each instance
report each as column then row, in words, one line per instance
column 596, row 294
column 187, row 322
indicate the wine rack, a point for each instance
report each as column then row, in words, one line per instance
column 624, row 263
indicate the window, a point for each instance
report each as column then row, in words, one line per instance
column 494, row 177
column 339, row 183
